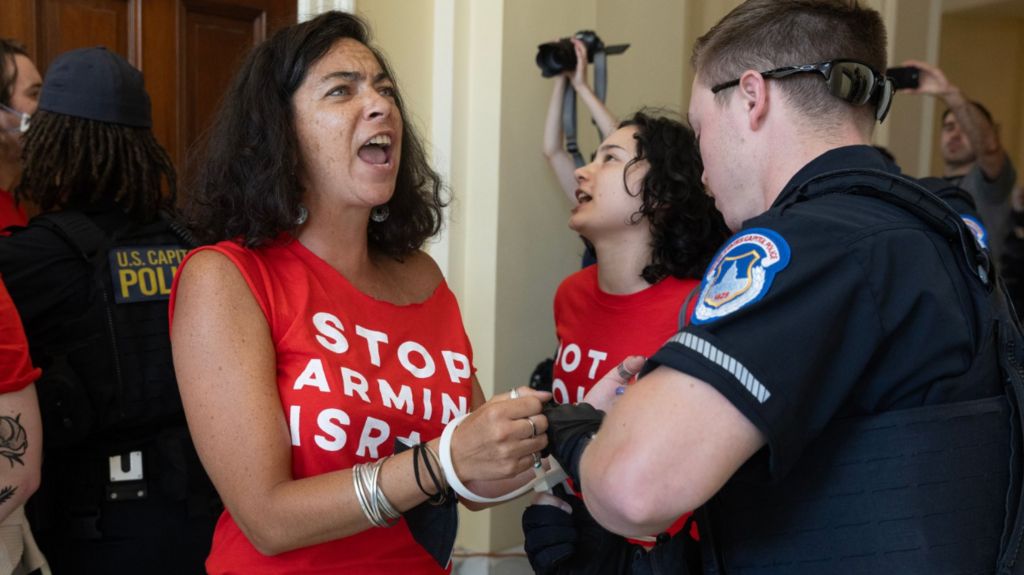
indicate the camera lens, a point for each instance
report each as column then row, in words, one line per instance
column 554, row 58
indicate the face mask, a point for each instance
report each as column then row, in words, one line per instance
column 23, row 119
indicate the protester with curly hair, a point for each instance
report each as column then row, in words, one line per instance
column 642, row 207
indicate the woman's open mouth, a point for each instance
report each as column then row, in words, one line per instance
column 377, row 150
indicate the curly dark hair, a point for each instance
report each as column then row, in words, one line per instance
column 686, row 229
column 246, row 185
column 75, row 162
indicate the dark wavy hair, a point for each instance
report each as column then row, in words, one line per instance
column 246, row 184
column 686, row 229
column 71, row 162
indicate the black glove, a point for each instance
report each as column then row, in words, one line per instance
column 570, row 428
column 599, row 551
column 558, row 543
column 550, row 537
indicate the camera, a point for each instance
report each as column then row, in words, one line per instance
column 553, row 58
column 904, row 77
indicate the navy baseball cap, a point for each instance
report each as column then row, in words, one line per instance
column 96, row 84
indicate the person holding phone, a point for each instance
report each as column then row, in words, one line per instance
column 972, row 152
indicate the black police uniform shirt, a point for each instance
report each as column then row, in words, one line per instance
column 48, row 281
column 962, row 203
column 837, row 306
column 959, row 199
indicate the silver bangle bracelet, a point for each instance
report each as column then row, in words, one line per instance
column 374, row 504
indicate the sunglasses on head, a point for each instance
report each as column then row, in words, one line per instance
column 848, row 80
column 23, row 119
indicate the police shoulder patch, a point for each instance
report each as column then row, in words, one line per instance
column 741, row 273
column 980, row 234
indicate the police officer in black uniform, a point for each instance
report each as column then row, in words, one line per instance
column 841, row 401
column 122, row 488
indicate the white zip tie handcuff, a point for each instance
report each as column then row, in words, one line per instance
column 542, row 482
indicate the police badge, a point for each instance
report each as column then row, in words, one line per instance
column 741, row 273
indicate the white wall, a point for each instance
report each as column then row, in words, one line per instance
column 509, row 246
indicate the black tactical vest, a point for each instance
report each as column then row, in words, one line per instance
column 115, row 368
column 934, row 489
column 113, row 425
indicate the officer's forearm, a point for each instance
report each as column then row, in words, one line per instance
column 668, row 444
column 617, row 494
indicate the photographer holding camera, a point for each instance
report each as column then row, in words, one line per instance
column 973, row 155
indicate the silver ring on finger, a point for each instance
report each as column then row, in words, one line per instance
column 533, row 427
column 514, row 394
column 536, row 460
column 624, row 373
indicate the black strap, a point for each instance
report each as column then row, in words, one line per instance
column 569, row 124
column 569, row 106
column 84, row 237
column 601, row 75
column 184, row 234
column 684, row 318
column 911, row 196
column 92, row 244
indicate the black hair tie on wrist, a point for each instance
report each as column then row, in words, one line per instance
column 440, row 496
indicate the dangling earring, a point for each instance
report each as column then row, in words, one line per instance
column 303, row 215
column 380, row 213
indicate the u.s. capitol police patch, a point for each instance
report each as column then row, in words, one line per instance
column 980, row 234
column 741, row 273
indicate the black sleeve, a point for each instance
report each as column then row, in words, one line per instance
column 47, row 280
column 785, row 344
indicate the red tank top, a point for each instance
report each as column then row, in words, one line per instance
column 17, row 372
column 354, row 374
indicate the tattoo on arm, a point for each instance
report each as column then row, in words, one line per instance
column 13, row 440
column 6, row 493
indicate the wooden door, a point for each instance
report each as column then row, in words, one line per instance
column 188, row 50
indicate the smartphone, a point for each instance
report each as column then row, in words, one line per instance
column 904, row 76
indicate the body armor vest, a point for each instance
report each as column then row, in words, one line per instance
column 113, row 422
column 934, row 489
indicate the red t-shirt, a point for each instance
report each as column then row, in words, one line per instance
column 16, row 371
column 10, row 214
column 597, row 331
column 354, row 374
